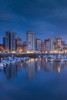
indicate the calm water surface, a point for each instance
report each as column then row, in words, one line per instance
column 35, row 79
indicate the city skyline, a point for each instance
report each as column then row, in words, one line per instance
column 33, row 49
column 23, row 37
column 46, row 18
column 13, row 44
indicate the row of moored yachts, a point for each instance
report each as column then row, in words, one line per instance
column 53, row 58
column 10, row 60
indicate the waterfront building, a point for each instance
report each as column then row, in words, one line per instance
column 58, row 42
column 19, row 42
column 1, row 48
column 54, row 46
column 10, row 41
column 43, row 47
column 25, row 47
column 4, row 42
column 19, row 45
column 64, row 46
column 20, row 49
column 48, row 45
column 38, row 45
column 59, row 45
column 30, row 41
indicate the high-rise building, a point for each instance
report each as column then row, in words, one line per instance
column 58, row 44
column 10, row 41
column 19, row 42
column 19, row 45
column 1, row 48
column 30, row 40
column 43, row 47
column 38, row 45
column 58, row 41
column 4, row 42
column 25, row 46
column 48, row 45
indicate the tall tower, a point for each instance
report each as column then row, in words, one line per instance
column 38, row 45
column 30, row 40
column 48, row 45
column 10, row 41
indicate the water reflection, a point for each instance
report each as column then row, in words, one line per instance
column 10, row 71
column 32, row 66
column 30, row 69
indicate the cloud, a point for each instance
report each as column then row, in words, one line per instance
column 41, row 16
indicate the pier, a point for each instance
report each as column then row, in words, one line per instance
column 31, row 55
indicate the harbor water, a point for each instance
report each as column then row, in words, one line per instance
column 34, row 79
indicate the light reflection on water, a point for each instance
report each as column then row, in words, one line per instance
column 35, row 79
column 33, row 66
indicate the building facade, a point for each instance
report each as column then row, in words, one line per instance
column 48, row 45
column 43, row 47
column 1, row 48
column 58, row 42
column 38, row 45
column 19, row 42
column 19, row 45
column 30, row 41
column 10, row 41
column 25, row 47
column 4, row 42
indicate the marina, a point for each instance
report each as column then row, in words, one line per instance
column 49, row 58
column 10, row 60
column 33, row 74
column 33, row 49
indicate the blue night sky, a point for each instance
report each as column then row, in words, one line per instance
column 47, row 18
